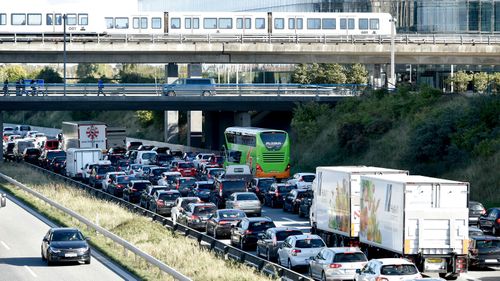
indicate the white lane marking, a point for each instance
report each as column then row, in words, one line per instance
column 5, row 245
column 30, row 271
column 290, row 220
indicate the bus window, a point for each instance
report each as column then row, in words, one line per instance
column 234, row 156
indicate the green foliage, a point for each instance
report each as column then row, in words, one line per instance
column 134, row 77
column 334, row 74
column 305, row 120
column 90, row 72
column 481, row 81
column 49, row 75
column 460, row 80
column 358, row 74
column 495, row 78
column 301, row 74
column 146, row 117
column 327, row 73
column 12, row 73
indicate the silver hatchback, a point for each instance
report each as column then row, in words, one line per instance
column 248, row 202
column 339, row 263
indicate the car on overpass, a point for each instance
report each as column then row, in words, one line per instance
column 191, row 87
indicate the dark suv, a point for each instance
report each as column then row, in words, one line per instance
column 490, row 221
column 48, row 155
column 247, row 231
column 134, row 189
column 260, row 186
column 476, row 209
column 225, row 187
column 97, row 174
column 274, row 197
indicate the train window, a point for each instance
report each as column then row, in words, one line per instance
column 291, row 23
column 59, row 19
column 83, row 19
column 210, row 23
column 140, row 23
column 49, row 19
column 71, row 19
column 313, row 23
column 144, row 23
column 363, row 24
column 3, row 19
column 34, row 19
column 121, row 23
column 300, row 23
column 156, row 23
column 260, row 23
column 196, row 23
column 239, row 23
column 109, row 23
column 279, row 23
column 329, row 23
column 248, row 23
column 135, row 23
column 350, row 23
column 175, row 23
column 18, row 19
column 343, row 23
column 187, row 23
column 225, row 23
column 374, row 24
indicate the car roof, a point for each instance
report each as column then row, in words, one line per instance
column 172, row 191
column 134, row 181
column 283, row 228
column 259, row 219
column 202, row 204
column 484, row 237
column 54, row 229
column 306, row 236
column 189, row 198
column 345, row 250
column 171, row 173
column 231, row 210
column 241, row 193
column 306, row 174
column 204, row 182
column 388, row 261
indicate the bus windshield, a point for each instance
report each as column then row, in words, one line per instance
column 273, row 140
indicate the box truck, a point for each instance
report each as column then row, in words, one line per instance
column 116, row 137
column 78, row 158
column 419, row 218
column 335, row 209
column 83, row 134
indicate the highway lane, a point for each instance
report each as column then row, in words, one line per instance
column 21, row 234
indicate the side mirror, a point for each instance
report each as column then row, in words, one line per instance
column 45, row 239
column 358, row 271
column 87, row 238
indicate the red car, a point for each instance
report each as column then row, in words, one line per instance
column 186, row 169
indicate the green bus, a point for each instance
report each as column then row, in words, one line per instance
column 265, row 151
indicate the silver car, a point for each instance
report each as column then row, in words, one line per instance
column 337, row 263
column 190, row 86
column 248, row 202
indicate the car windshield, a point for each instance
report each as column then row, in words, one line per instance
column 141, row 185
column 282, row 235
column 32, row 151
column 246, row 196
column 163, row 157
column 198, row 81
column 349, row 257
column 204, row 210
column 285, row 188
column 217, row 172
column 189, row 182
column 169, row 196
column 399, row 269
column 205, row 186
column 105, row 169
column 171, row 178
column 488, row 243
column 260, row 225
column 309, row 243
column 231, row 214
column 148, row 155
column 308, row 178
column 69, row 235
column 158, row 172
column 123, row 163
column 234, row 185
column 124, row 180
column 186, row 165
column 476, row 206
column 52, row 154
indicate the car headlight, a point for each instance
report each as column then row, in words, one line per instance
column 83, row 250
column 54, row 250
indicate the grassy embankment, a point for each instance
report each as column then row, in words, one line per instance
column 177, row 251
column 427, row 133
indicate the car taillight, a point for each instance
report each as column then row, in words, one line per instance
column 353, row 243
column 131, row 172
column 381, row 279
column 301, row 180
column 461, row 264
column 224, row 222
column 220, row 189
column 277, row 194
column 258, row 167
column 498, row 221
column 193, row 217
column 335, row 265
column 119, row 185
column 247, row 232
column 133, row 190
column 177, row 186
column 275, row 241
column 98, row 177
column 483, row 211
column 295, row 252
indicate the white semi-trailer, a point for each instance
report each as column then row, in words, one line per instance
column 84, row 134
column 420, row 218
column 77, row 158
column 335, row 211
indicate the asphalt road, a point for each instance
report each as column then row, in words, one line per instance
column 21, row 234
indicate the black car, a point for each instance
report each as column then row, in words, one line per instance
column 163, row 159
column 31, row 155
column 114, row 158
column 476, row 209
column 144, row 147
column 118, row 184
column 155, row 174
column 305, row 204
column 48, row 155
column 162, row 201
column 490, row 221
column 8, row 152
column 133, row 145
column 58, row 164
column 65, row 245
column 219, row 224
column 162, row 150
column 484, row 251
column 184, row 185
column 202, row 190
column 246, row 232
column 196, row 215
column 98, row 173
column 122, row 164
column 147, row 194
column 132, row 192
column 270, row 241
column 291, row 202
column 260, row 186
column 275, row 196
column 225, row 187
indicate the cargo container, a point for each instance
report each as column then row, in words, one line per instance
column 78, row 158
column 84, row 134
column 116, row 137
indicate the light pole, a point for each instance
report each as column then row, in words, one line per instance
column 64, row 53
column 392, row 79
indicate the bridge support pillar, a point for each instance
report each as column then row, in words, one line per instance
column 195, row 125
column 171, row 126
column 242, row 119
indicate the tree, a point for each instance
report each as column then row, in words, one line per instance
column 334, row 74
column 495, row 77
column 12, row 72
column 461, row 80
column 90, row 72
column 49, row 75
column 481, row 82
column 301, row 74
column 358, row 74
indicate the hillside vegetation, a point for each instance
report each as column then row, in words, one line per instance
column 427, row 133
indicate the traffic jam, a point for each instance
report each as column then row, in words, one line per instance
column 337, row 223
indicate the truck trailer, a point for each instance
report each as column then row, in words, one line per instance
column 335, row 210
column 77, row 158
column 419, row 218
column 116, row 137
column 84, row 134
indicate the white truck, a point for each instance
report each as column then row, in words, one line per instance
column 335, row 210
column 84, row 134
column 420, row 218
column 116, row 137
column 78, row 158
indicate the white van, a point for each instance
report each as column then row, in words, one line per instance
column 145, row 157
column 241, row 172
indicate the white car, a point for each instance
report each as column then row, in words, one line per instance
column 392, row 269
column 200, row 159
column 180, row 204
column 109, row 177
column 168, row 178
column 339, row 263
column 302, row 180
column 297, row 250
column 133, row 169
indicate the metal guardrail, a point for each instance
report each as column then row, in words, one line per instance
column 262, row 38
column 151, row 89
column 118, row 240
column 226, row 251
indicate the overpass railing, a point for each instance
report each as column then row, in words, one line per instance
column 462, row 39
column 111, row 89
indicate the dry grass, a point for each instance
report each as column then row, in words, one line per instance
column 177, row 251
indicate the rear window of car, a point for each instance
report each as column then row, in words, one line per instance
column 285, row 189
column 105, row 169
column 308, row 178
column 265, row 183
column 187, row 182
column 349, row 257
column 141, row 185
column 309, row 243
column 198, row 81
column 216, row 172
column 52, row 154
column 399, row 269
column 234, row 185
column 148, row 155
column 123, row 180
column 186, row 165
column 158, row 172
column 282, row 235
column 249, row 196
column 232, row 214
column 169, row 196
column 260, row 225
column 25, row 128
column 32, row 151
column 205, row 209
column 488, row 244
column 186, row 202
column 476, row 206
column 206, row 186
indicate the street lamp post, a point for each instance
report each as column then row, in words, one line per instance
column 64, row 53
column 392, row 79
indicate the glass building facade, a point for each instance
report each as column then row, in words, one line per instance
column 414, row 16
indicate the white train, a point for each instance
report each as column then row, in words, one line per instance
column 33, row 19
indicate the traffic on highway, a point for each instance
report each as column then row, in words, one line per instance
column 335, row 223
